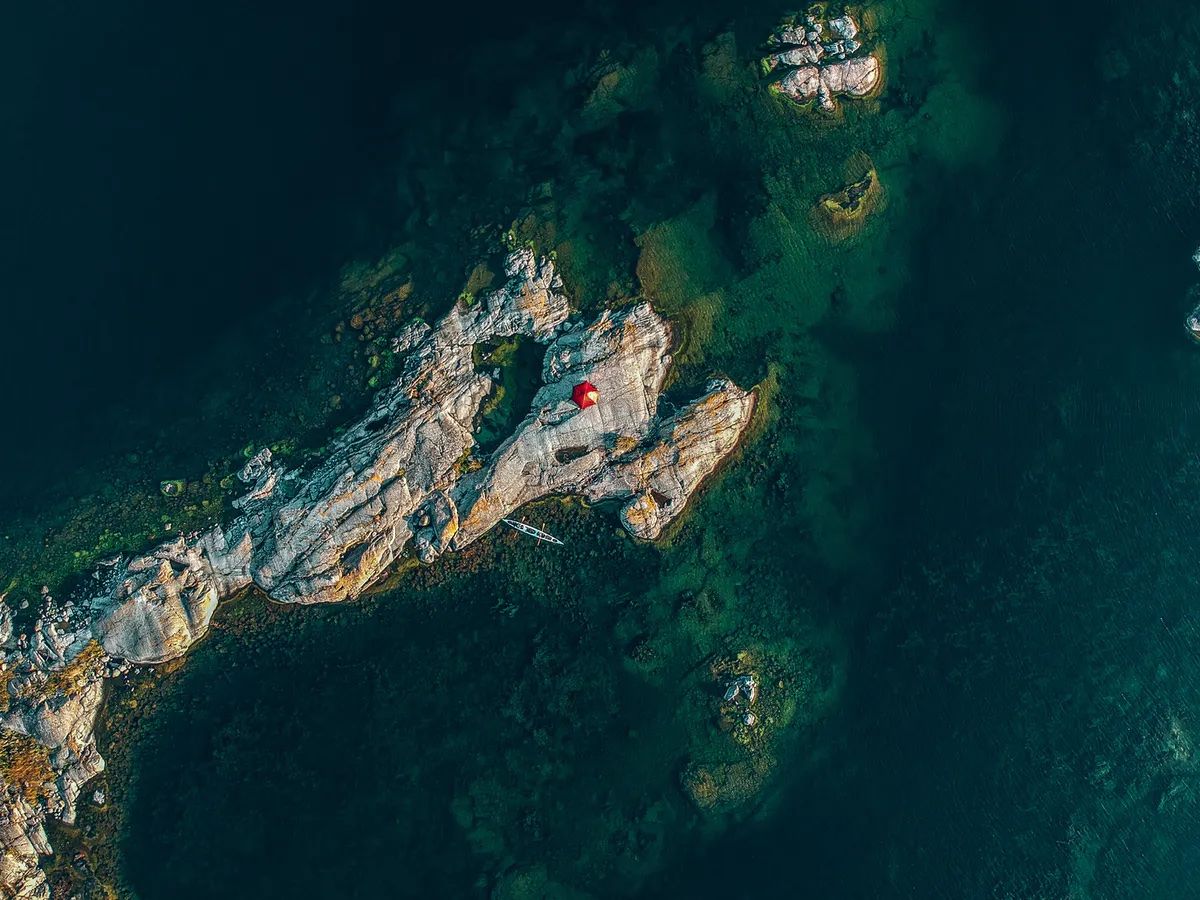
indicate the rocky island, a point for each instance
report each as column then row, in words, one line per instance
column 407, row 479
column 824, row 57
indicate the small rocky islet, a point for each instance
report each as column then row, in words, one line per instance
column 815, row 58
column 822, row 57
column 405, row 480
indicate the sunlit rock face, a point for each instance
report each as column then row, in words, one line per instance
column 393, row 484
column 618, row 449
column 824, row 57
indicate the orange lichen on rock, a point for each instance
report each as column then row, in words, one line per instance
column 78, row 671
column 24, row 764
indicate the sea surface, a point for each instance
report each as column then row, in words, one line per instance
column 963, row 533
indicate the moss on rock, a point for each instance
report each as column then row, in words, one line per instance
column 842, row 214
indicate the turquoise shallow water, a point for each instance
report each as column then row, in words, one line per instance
column 1022, row 708
column 968, row 530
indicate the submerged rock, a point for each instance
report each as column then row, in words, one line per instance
column 326, row 533
column 721, row 786
column 825, row 60
column 843, row 213
column 756, row 695
column 22, row 839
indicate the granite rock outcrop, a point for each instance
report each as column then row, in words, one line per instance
column 822, row 58
column 394, row 483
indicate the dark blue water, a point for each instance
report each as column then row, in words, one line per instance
column 170, row 173
column 179, row 182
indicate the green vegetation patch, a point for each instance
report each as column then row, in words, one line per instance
column 519, row 361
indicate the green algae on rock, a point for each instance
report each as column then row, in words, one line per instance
column 753, row 696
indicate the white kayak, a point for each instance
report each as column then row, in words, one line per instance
column 532, row 532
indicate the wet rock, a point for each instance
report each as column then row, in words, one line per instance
column 262, row 475
column 742, row 688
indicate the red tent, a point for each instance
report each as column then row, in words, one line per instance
column 585, row 394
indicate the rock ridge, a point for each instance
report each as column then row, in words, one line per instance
column 393, row 482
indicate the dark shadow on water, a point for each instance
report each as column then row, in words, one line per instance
column 519, row 362
column 181, row 180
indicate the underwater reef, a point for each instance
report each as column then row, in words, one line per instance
column 406, row 479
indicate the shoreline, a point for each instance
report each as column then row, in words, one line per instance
column 152, row 609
